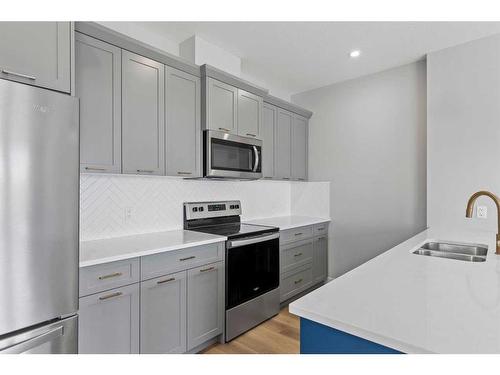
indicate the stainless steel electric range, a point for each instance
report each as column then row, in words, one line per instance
column 251, row 263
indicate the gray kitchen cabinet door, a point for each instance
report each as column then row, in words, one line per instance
column 98, row 85
column 205, row 307
column 109, row 322
column 183, row 125
column 163, row 314
column 222, row 104
column 143, row 115
column 36, row 53
column 249, row 111
column 267, row 133
column 282, row 143
column 299, row 148
column 320, row 259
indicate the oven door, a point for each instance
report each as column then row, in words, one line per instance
column 252, row 268
column 232, row 156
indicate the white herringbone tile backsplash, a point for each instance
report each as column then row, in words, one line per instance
column 155, row 203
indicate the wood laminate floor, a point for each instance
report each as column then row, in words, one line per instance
column 279, row 335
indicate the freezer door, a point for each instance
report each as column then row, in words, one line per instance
column 60, row 337
column 39, row 201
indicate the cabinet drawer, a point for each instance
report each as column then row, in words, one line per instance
column 178, row 260
column 296, row 254
column 295, row 281
column 320, row 229
column 95, row 279
column 295, row 234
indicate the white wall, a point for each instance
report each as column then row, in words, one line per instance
column 463, row 132
column 368, row 137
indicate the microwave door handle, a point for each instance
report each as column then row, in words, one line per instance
column 256, row 159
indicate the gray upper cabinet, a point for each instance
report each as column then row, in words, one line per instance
column 320, row 259
column 267, row 133
column 143, row 115
column 205, row 308
column 249, row 114
column 109, row 322
column 221, row 106
column 163, row 314
column 183, row 125
column 299, row 148
column 98, row 85
column 37, row 53
column 282, row 143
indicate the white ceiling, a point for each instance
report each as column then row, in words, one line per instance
column 293, row 57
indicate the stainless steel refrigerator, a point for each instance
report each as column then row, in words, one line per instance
column 39, row 199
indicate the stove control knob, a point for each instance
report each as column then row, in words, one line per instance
column 201, row 209
column 195, row 209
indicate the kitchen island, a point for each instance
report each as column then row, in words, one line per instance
column 403, row 302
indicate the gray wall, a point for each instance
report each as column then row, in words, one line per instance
column 368, row 137
column 463, row 133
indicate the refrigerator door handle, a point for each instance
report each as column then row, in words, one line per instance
column 32, row 342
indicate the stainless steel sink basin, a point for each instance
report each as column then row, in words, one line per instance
column 467, row 253
column 456, row 248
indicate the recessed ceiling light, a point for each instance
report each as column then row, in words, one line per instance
column 355, row 53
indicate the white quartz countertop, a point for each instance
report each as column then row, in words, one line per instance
column 113, row 249
column 288, row 222
column 414, row 303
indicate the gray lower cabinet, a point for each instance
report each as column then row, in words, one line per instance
column 143, row 115
column 299, row 148
column 205, row 303
column 282, row 144
column 109, row 321
column 249, row 114
column 36, row 53
column 163, row 314
column 221, row 103
column 98, row 85
column 320, row 259
column 267, row 133
column 183, row 125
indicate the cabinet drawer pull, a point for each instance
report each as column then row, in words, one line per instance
column 9, row 72
column 188, row 258
column 298, row 255
column 224, row 129
column 116, row 274
column 94, row 169
column 301, row 179
column 252, row 135
column 144, row 171
column 297, row 281
column 112, row 295
column 187, row 173
column 207, row 269
column 299, row 234
column 285, row 178
column 166, row 280
column 321, row 228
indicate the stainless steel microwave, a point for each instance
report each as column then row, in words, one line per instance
column 231, row 156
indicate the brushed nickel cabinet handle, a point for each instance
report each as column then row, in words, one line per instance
column 299, row 234
column 144, row 171
column 166, row 280
column 183, row 259
column 297, row 281
column 112, row 295
column 95, row 169
column 207, row 269
column 321, row 228
column 10, row 72
column 224, row 129
column 116, row 274
column 285, row 178
column 298, row 255
column 301, row 179
column 187, row 173
column 252, row 135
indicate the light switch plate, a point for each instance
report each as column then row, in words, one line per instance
column 482, row 212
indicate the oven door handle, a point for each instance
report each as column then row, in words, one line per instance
column 237, row 243
column 256, row 164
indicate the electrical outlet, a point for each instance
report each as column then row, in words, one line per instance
column 129, row 211
column 482, row 212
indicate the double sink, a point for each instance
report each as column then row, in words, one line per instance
column 465, row 252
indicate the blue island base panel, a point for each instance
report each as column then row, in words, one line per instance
column 317, row 338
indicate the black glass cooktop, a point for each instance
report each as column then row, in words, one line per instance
column 235, row 230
